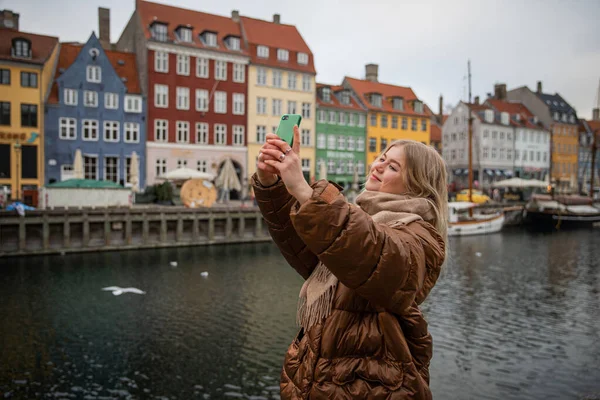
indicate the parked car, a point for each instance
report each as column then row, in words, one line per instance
column 478, row 196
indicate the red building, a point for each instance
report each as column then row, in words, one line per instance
column 193, row 69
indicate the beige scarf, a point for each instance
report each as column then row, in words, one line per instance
column 316, row 295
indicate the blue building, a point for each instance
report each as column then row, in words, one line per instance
column 95, row 105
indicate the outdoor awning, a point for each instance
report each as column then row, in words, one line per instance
column 489, row 172
column 498, row 172
column 508, row 173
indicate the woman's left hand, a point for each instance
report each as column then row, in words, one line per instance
column 287, row 162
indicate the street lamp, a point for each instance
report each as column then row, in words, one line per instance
column 17, row 147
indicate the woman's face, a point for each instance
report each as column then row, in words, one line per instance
column 388, row 172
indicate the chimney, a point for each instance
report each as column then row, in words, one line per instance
column 500, row 91
column 441, row 113
column 596, row 114
column 276, row 18
column 9, row 19
column 476, row 100
column 539, row 87
column 104, row 26
column 235, row 15
column 371, row 72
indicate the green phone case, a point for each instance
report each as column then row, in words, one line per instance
column 285, row 130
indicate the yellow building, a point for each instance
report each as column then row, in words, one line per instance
column 281, row 80
column 26, row 68
column 394, row 112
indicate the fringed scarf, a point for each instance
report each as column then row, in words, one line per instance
column 316, row 295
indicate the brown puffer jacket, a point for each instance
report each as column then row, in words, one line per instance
column 375, row 343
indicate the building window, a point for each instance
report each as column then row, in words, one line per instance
column 331, row 142
column 509, row 154
column 341, row 142
column 94, row 74
column 221, row 70
column 362, row 120
column 501, row 135
column 394, row 122
column 4, row 76
column 360, row 144
column 181, row 163
column 291, row 107
column 29, row 79
column 276, row 78
column 111, row 131
column 398, row 104
column 201, row 100
column 342, row 118
column 373, row 119
column 67, row 128
column 306, row 164
column 161, row 166
column 382, row 144
column 305, row 110
column 326, row 94
column 210, row 39
column 261, row 134
column 372, row 144
column 201, row 133
column 330, row 166
column 183, row 132
column 159, row 32
column 238, row 135
column 132, row 132
column 239, row 73
column 384, row 121
column 418, row 106
column 261, row 76
column 494, row 153
column 376, row 100
column 239, row 104
column 29, row 115
column 183, row 64
column 404, row 123
column 502, row 153
column 220, row 134
column 111, row 101
column 90, row 167
column 306, row 83
column 302, row 58
column 424, row 125
column 4, row 113
column 262, row 51
column 70, row 97
column 185, row 35
column 292, row 77
column 183, row 98
column 161, row 96
column 321, row 116
column 111, row 169
column 283, row 55
column 345, row 97
column 220, row 102
column 261, row 105
column 413, row 124
column 332, row 117
column 161, row 130
column 202, row 166
column 276, row 106
column 233, row 43
column 305, row 137
column 161, row 61
column 90, row 98
column 351, row 144
column 321, row 141
column 202, row 70
column 90, row 129
column 133, row 104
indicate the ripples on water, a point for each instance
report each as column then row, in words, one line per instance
column 514, row 316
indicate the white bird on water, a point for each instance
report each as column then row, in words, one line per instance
column 119, row 290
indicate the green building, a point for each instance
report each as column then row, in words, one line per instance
column 341, row 133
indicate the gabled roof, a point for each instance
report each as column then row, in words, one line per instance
column 199, row 22
column 335, row 101
column 277, row 36
column 515, row 108
column 556, row 103
column 41, row 46
column 123, row 63
column 363, row 88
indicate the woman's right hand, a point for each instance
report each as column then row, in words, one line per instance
column 267, row 175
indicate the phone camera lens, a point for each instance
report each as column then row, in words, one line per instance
column 285, row 117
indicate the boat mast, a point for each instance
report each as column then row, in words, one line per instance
column 470, row 141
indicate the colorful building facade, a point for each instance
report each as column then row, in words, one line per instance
column 95, row 106
column 26, row 65
column 281, row 80
column 394, row 112
column 341, row 132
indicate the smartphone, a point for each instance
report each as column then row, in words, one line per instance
column 285, row 130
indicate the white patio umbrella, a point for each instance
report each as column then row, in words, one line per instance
column 183, row 174
column 228, row 179
column 78, row 165
column 519, row 183
column 134, row 173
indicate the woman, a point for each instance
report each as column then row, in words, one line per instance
column 367, row 268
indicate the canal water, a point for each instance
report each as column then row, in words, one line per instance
column 514, row 316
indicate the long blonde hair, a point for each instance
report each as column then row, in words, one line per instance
column 425, row 176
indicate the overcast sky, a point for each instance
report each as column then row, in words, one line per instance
column 423, row 44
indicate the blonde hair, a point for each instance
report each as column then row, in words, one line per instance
column 425, row 176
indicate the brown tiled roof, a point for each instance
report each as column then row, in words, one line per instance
column 595, row 126
column 69, row 52
column 334, row 100
column 515, row 108
column 199, row 22
column 364, row 87
column 277, row 36
column 41, row 46
column 436, row 132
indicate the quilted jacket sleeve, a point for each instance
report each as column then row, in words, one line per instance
column 390, row 267
column 275, row 203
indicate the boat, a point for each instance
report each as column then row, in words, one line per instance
column 460, row 223
column 547, row 213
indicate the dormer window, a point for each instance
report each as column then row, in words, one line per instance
column 184, row 34
column 418, row 106
column 376, row 100
column 504, row 118
column 326, row 94
column 159, row 32
column 564, row 117
column 572, row 119
column 345, row 97
column 209, row 39
column 283, row 55
column 398, row 103
column 302, row 58
column 21, row 48
column 489, row 116
column 233, row 43
column 94, row 74
column 517, row 117
column 262, row 51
